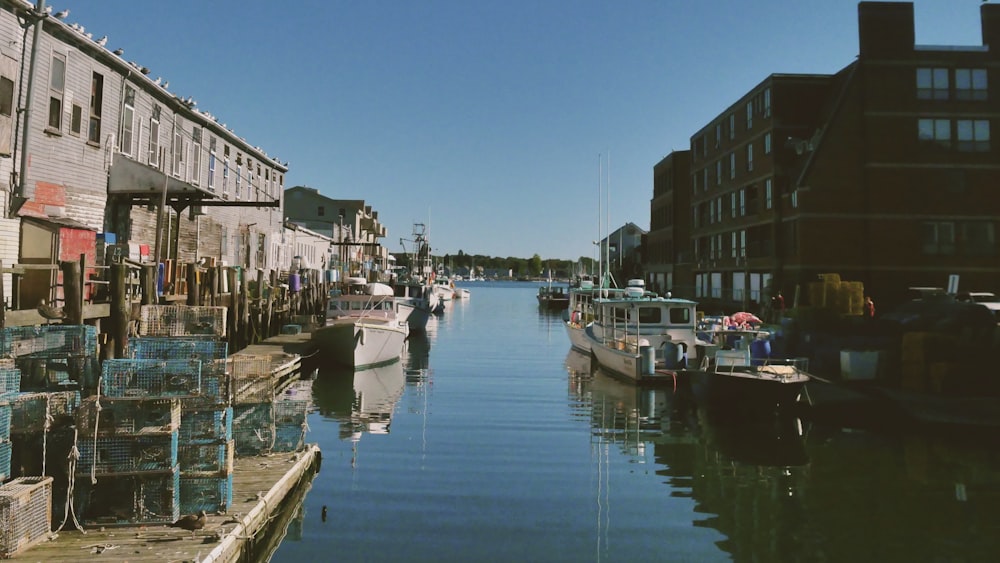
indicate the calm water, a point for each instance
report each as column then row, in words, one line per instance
column 497, row 444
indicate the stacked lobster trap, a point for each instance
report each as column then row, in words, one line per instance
column 264, row 423
column 42, row 370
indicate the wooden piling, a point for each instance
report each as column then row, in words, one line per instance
column 120, row 308
column 72, row 299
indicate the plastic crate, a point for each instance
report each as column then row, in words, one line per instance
column 25, row 514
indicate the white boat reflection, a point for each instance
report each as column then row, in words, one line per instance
column 376, row 392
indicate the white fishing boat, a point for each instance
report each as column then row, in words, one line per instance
column 580, row 310
column 362, row 326
column 415, row 303
column 444, row 288
column 646, row 338
column 416, row 299
column 632, row 329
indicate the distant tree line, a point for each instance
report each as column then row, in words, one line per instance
column 533, row 267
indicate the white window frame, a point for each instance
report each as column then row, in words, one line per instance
column 154, row 138
column 767, row 143
column 196, row 135
column 128, row 121
column 57, row 92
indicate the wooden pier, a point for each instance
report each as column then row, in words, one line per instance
column 260, row 484
column 263, row 489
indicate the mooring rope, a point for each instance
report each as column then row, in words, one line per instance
column 74, row 456
column 97, row 420
column 45, row 431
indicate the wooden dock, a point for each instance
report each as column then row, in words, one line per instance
column 260, row 485
column 287, row 352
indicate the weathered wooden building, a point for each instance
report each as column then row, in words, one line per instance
column 354, row 226
column 94, row 139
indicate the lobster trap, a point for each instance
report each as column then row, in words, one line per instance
column 10, row 383
column 200, row 427
column 51, row 340
column 182, row 320
column 207, row 350
column 253, row 429
column 209, row 458
column 6, row 450
column 251, row 379
column 40, row 412
column 211, row 494
column 118, row 455
column 151, row 378
column 5, row 411
column 25, row 514
column 128, row 416
column 129, row 500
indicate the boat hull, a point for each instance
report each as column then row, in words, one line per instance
column 415, row 312
column 361, row 344
column 741, row 393
column 578, row 337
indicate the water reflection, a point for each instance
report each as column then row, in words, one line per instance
column 746, row 477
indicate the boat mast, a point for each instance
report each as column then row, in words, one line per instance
column 600, row 251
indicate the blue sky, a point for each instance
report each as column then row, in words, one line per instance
column 485, row 119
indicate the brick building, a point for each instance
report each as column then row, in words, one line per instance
column 883, row 172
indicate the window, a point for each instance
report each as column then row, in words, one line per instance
column 934, row 131
column 718, row 172
column 321, row 211
column 795, row 198
column 732, row 244
column 767, row 102
column 718, row 207
column 732, row 126
column 938, row 237
column 249, row 180
column 732, row 165
column 154, row 137
column 978, row 238
column 96, row 103
column 743, row 243
column 743, row 202
column 973, row 135
column 718, row 135
column 767, row 194
column 732, row 205
column 767, row 143
column 239, row 176
column 970, row 84
column 225, row 172
column 932, row 84
column 178, row 149
column 196, row 156
column 749, row 157
column 6, row 96
column 211, row 163
column 76, row 121
column 704, row 180
column 749, row 115
column 128, row 121
column 57, row 83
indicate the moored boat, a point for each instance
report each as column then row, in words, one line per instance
column 646, row 338
column 362, row 327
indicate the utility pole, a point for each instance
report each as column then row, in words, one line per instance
column 18, row 198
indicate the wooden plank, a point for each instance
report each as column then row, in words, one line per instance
column 30, row 317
